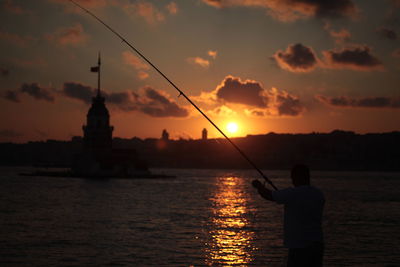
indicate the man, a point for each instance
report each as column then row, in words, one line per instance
column 303, row 205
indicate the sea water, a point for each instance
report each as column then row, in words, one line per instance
column 200, row 218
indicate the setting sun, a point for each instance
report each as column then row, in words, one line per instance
column 232, row 127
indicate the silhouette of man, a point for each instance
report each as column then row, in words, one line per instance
column 303, row 205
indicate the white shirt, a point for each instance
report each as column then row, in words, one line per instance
column 302, row 215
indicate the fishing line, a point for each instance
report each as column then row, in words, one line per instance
column 181, row 93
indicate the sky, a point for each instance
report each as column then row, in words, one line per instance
column 289, row 66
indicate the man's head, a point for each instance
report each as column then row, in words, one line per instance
column 300, row 175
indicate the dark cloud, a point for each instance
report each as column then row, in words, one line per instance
column 151, row 102
column 249, row 92
column 38, row 92
column 356, row 58
column 327, row 8
column 289, row 10
column 4, row 72
column 12, row 96
column 296, row 58
column 253, row 98
column 159, row 105
column 6, row 133
column 288, row 105
column 121, row 100
column 281, row 103
column 366, row 102
column 386, row 33
column 78, row 91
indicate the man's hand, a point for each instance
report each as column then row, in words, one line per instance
column 262, row 190
column 257, row 184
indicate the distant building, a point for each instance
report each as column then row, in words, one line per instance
column 165, row 135
column 98, row 157
column 204, row 134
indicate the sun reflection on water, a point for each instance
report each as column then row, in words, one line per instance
column 231, row 242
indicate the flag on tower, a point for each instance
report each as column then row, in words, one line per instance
column 94, row 69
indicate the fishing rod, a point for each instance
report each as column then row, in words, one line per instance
column 181, row 93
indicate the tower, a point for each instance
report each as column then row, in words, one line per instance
column 204, row 134
column 97, row 133
column 165, row 135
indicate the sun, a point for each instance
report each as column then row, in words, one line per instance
column 232, row 127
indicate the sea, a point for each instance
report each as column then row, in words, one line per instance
column 199, row 218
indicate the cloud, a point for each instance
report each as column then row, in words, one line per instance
column 142, row 75
column 297, row 58
column 212, row 54
column 37, row 92
column 11, row 96
column 355, row 58
column 366, row 102
column 222, row 111
column 4, row 72
column 172, row 8
column 340, row 36
column 134, row 61
column 145, row 10
column 78, row 91
column 386, row 33
column 15, row 39
column 159, row 104
column 121, row 100
column 72, row 36
column 247, row 92
column 280, row 103
column 130, row 59
column 149, row 101
column 234, row 94
column 6, row 133
column 204, row 63
column 290, row 10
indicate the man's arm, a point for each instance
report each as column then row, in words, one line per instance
column 262, row 190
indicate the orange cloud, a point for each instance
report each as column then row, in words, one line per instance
column 143, row 75
column 340, row 36
column 134, row 61
column 222, row 111
column 147, row 11
column 172, row 8
column 212, row 54
column 73, row 36
column 204, row 63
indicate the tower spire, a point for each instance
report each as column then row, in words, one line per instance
column 97, row 69
column 98, row 76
